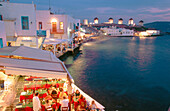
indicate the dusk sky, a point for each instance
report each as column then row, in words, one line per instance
column 146, row 10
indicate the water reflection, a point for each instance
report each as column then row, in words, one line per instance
column 140, row 55
column 128, row 74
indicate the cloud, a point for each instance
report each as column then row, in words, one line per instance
column 155, row 10
column 101, row 9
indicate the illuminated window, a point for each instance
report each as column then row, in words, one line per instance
column 25, row 22
column 40, row 25
column 61, row 25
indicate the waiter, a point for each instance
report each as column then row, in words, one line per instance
column 36, row 102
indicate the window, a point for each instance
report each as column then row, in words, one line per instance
column 1, row 18
column 61, row 25
column 25, row 22
column 54, row 26
column 40, row 25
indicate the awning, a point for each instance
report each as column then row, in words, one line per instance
column 28, row 52
column 37, row 73
column 33, row 68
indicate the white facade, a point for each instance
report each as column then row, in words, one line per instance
column 153, row 32
column 65, row 25
column 114, row 31
column 131, row 22
column 85, row 22
column 2, row 34
column 16, row 28
column 149, row 33
column 110, row 21
column 120, row 21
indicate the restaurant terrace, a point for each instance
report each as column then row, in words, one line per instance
column 25, row 71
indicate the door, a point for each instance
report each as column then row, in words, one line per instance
column 1, row 43
column 54, row 26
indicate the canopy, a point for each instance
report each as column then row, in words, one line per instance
column 33, row 68
column 28, row 52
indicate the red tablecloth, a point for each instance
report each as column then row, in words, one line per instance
column 24, row 97
column 33, row 87
column 46, row 86
column 56, row 105
column 24, row 109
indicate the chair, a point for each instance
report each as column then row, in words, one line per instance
column 64, row 109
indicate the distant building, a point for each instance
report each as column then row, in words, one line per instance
column 114, row 31
column 150, row 32
column 110, row 20
column 96, row 20
column 141, row 23
column 85, row 22
column 120, row 21
column 130, row 22
column 2, row 34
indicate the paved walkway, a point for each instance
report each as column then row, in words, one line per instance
column 10, row 97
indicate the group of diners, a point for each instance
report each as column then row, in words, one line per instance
column 57, row 98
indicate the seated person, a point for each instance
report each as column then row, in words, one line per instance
column 77, row 94
column 54, row 94
column 75, row 102
column 64, row 102
column 93, row 106
column 48, row 97
column 48, row 106
column 62, row 94
column 82, row 103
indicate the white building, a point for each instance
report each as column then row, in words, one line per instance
column 96, row 20
column 85, row 22
column 110, row 20
column 141, row 23
column 149, row 33
column 130, row 22
column 2, row 34
column 20, row 24
column 114, row 31
column 120, row 21
column 56, row 26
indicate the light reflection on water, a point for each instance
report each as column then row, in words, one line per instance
column 125, row 73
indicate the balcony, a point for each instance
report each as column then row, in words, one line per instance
column 41, row 33
column 59, row 31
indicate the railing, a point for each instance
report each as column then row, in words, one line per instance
column 59, row 31
column 41, row 33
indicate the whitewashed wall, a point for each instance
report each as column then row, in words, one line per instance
column 14, row 11
column 45, row 17
column 3, row 33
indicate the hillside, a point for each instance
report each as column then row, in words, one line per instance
column 163, row 26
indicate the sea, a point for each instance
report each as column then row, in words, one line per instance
column 124, row 73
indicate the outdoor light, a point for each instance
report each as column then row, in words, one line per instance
column 53, row 20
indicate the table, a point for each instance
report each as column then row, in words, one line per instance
column 29, row 107
column 39, row 85
column 29, row 95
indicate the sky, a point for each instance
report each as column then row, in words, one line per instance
column 146, row 10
